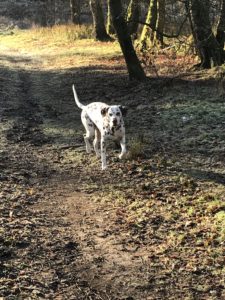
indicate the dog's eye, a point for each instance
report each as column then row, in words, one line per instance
column 118, row 114
column 110, row 115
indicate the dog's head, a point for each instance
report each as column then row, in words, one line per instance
column 114, row 114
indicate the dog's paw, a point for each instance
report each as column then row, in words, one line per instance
column 122, row 155
column 88, row 150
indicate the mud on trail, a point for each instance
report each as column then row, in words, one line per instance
column 150, row 227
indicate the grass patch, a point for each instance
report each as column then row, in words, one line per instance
column 63, row 33
column 136, row 147
column 220, row 223
column 191, row 125
column 61, row 47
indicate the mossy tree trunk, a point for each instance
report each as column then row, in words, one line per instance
column 220, row 34
column 160, row 22
column 206, row 43
column 147, row 34
column 133, row 65
column 109, row 27
column 75, row 11
column 133, row 16
column 98, row 21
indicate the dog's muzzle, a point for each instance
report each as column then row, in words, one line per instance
column 114, row 122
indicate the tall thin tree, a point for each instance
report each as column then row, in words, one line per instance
column 133, row 13
column 161, row 10
column 98, row 20
column 206, row 43
column 133, row 64
column 220, row 34
column 147, row 34
column 75, row 11
column 109, row 26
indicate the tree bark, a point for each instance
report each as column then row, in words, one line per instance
column 41, row 17
column 75, row 11
column 160, row 22
column 109, row 27
column 98, row 20
column 147, row 34
column 206, row 43
column 220, row 34
column 133, row 65
column 133, row 15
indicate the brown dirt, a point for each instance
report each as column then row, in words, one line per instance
column 68, row 230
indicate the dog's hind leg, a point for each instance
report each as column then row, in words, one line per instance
column 96, row 142
column 103, row 153
column 123, row 147
column 90, row 130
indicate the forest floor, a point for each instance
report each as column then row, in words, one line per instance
column 149, row 227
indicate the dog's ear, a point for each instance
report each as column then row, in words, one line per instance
column 104, row 111
column 123, row 110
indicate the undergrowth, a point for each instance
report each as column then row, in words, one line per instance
column 64, row 33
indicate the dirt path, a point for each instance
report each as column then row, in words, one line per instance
column 112, row 266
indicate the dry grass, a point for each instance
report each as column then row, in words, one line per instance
column 64, row 33
column 61, row 46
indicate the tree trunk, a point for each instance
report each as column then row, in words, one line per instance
column 133, row 65
column 160, row 22
column 147, row 34
column 41, row 15
column 133, row 15
column 75, row 11
column 220, row 35
column 109, row 26
column 98, row 20
column 207, row 45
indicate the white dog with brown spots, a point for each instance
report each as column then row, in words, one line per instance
column 102, row 122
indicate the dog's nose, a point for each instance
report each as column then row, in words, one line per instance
column 114, row 122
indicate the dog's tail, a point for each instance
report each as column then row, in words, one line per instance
column 80, row 105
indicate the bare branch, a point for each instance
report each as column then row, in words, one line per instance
column 162, row 33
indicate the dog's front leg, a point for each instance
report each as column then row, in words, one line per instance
column 96, row 142
column 123, row 147
column 87, row 142
column 103, row 153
